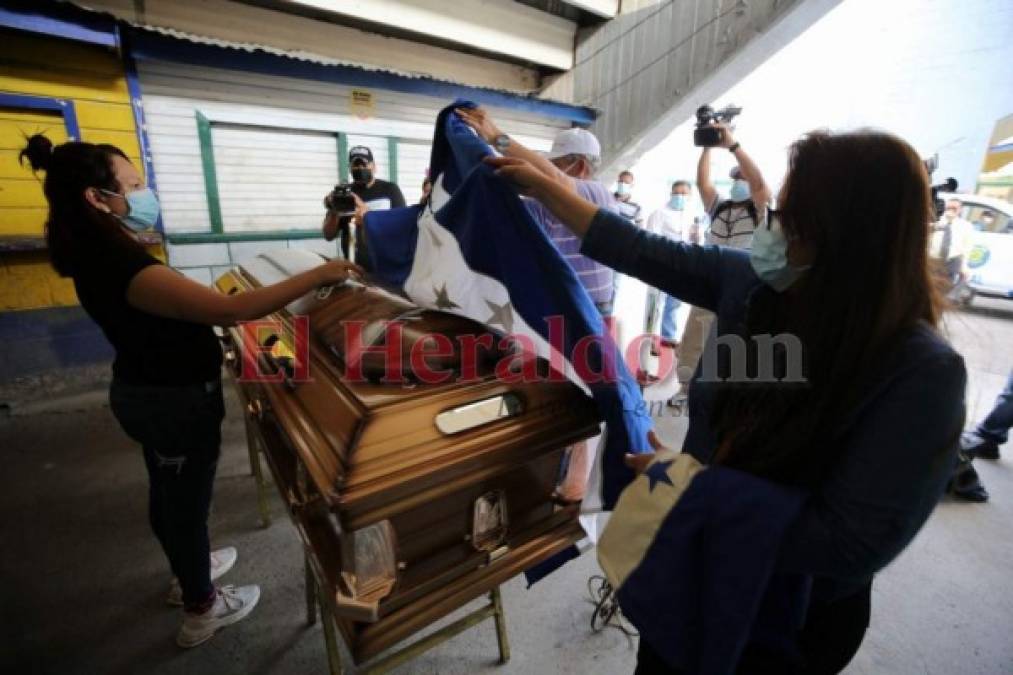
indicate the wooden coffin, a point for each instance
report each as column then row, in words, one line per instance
column 412, row 498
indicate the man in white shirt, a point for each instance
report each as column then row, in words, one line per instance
column 951, row 242
column 674, row 221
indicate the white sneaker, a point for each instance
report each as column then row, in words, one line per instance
column 222, row 561
column 232, row 604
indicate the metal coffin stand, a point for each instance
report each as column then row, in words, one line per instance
column 411, row 499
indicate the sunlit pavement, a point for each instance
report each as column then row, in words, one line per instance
column 84, row 581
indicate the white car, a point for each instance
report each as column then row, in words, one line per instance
column 990, row 262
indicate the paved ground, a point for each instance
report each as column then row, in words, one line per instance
column 83, row 580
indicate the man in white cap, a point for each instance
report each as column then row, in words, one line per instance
column 572, row 160
column 574, row 155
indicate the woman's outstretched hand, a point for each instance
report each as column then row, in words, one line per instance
column 337, row 271
column 640, row 462
column 521, row 173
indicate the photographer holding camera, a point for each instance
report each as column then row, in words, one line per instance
column 347, row 204
column 733, row 220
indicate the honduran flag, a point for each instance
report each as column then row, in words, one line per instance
column 692, row 553
column 475, row 250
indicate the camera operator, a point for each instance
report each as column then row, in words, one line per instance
column 733, row 222
column 371, row 193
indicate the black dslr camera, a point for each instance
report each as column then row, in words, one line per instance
column 948, row 185
column 706, row 136
column 341, row 199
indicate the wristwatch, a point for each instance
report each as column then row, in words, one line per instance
column 501, row 142
column 734, row 147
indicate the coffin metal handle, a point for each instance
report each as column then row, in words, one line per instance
column 497, row 553
column 480, row 413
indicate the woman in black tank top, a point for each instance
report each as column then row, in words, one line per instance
column 166, row 391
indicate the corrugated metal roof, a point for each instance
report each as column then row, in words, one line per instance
column 317, row 59
column 298, row 55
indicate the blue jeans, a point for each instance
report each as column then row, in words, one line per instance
column 996, row 426
column 179, row 429
column 668, row 312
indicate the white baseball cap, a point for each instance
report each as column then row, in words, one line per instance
column 575, row 141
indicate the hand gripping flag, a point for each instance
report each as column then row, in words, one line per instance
column 475, row 250
column 691, row 553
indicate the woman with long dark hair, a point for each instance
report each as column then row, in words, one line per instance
column 166, row 391
column 870, row 425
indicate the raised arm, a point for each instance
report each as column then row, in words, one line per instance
column 331, row 225
column 162, row 291
column 703, row 180
column 758, row 190
column 479, row 120
column 690, row 273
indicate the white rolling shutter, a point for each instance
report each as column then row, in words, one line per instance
column 412, row 164
column 273, row 179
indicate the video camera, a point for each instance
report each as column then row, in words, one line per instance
column 341, row 200
column 948, row 185
column 706, row 136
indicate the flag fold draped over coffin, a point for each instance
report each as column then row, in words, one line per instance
column 475, row 250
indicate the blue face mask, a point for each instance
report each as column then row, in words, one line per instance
column 142, row 205
column 769, row 256
column 740, row 190
column 677, row 202
column 622, row 188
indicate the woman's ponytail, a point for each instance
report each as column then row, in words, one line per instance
column 38, row 152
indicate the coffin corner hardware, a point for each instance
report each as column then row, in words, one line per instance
column 356, row 610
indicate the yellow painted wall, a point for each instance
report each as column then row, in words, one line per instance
column 93, row 78
column 996, row 160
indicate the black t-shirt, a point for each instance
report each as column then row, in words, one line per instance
column 379, row 196
column 150, row 349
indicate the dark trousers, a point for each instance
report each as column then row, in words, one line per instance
column 996, row 426
column 179, row 429
column 829, row 640
column 953, row 267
